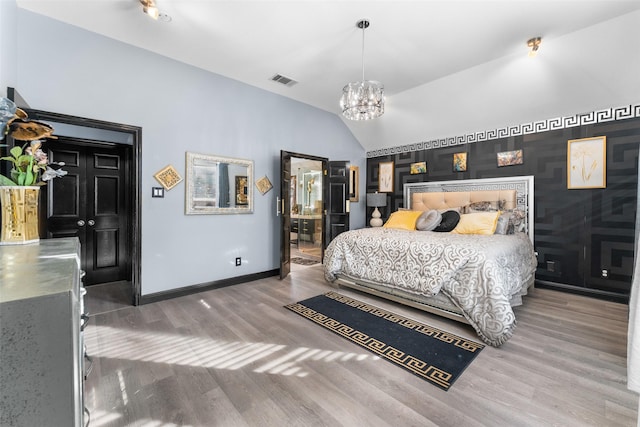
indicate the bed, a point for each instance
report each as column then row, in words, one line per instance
column 472, row 278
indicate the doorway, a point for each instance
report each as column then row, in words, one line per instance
column 98, row 201
column 306, row 203
column 301, row 209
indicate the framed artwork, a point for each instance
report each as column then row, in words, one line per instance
column 459, row 162
column 264, row 185
column 354, row 178
column 168, row 177
column 510, row 158
column 587, row 163
column 419, row 167
column 385, row 177
column 242, row 191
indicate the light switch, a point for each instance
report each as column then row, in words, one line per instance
column 157, row 192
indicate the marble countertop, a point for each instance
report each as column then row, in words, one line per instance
column 317, row 216
column 38, row 269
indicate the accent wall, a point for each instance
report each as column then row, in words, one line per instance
column 584, row 237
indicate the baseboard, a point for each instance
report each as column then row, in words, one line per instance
column 595, row 293
column 194, row 289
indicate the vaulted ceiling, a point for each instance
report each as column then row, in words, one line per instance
column 437, row 59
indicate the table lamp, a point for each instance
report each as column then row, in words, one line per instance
column 376, row 200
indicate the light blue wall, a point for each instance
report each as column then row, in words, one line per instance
column 8, row 45
column 181, row 108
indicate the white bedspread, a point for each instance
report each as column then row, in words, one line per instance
column 480, row 274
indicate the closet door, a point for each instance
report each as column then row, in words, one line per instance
column 89, row 203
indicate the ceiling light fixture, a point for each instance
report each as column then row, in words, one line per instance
column 534, row 45
column 149, row 7
column 362, row 100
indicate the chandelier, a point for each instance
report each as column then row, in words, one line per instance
column 363, row 100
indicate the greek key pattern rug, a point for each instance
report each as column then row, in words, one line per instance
column 430, row 353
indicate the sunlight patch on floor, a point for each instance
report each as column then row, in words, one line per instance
column 156, row 347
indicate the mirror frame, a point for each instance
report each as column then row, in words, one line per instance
column 193, row 160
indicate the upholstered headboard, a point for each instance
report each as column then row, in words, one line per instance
column 457, row 199
column 514, row 192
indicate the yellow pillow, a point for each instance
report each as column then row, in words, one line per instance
column 405, row 220
column 477, row 223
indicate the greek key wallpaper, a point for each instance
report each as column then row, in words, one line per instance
column 584, row 237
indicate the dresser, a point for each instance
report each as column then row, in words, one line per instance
column 41, row 348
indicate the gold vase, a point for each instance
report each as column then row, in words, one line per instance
column 19, row 215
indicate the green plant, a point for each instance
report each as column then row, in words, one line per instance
column 30, row 166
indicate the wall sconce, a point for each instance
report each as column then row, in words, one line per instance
column 376, row 200
column 534, row 45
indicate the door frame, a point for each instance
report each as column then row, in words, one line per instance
column 285, row 205
column 134, row 155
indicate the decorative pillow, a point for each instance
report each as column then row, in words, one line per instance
column 482, row 207
column 516, row 221
column 428, row 220
column 405, row 220
column 503, row 223
column 449, row 221
column 477, row 223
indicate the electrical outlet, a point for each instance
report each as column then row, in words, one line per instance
column 605, row 274
column 238, row 261
column 551, row 266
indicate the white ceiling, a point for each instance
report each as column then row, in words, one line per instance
column 408, row 45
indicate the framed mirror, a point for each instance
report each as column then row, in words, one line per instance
column 218, row 185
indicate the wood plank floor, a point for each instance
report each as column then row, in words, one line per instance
column 235, row 357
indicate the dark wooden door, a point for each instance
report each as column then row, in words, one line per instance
column 336, row 200
column 285, row 213
column 90, row 202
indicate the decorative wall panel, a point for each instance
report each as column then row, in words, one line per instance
column 584, row 238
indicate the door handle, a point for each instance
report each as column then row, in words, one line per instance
column 80, row 223
column 91, row 223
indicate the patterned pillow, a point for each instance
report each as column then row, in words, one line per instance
column 516, row 221
column 428, row 220
column 482, row 207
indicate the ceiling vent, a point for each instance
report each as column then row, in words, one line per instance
column 283, row 80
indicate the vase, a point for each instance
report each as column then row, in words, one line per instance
column 19, row 206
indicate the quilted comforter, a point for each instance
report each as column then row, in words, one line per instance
column 480, row 274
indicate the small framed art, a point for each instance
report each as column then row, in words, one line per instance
column 385, row 177
column 510, row 158
column 587, row 163
column 354, row 178
column 168, row 177
column 264, row 185
column 419, row 167
column 459, row 162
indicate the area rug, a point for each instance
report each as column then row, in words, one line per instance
column 430, row 353
column 303, row 261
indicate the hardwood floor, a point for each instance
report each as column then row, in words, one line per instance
column 108, row 297
column 235, row 357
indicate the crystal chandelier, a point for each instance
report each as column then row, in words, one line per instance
column 363, row 100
